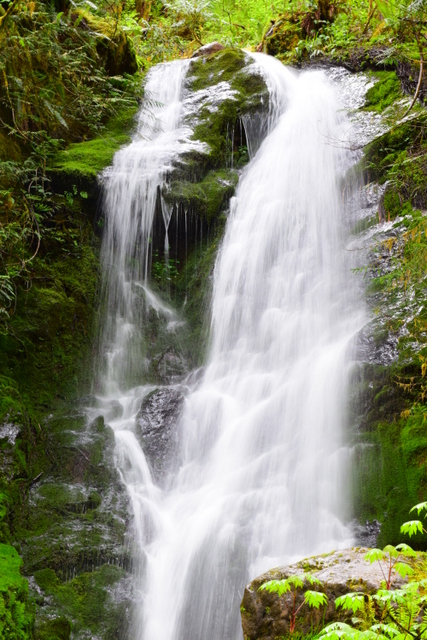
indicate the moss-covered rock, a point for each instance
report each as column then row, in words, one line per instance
column 226, row 87
column 208, row 197
column 266, row 616
column 384, row 92
column 114, row 47
column 81, row 162
column 87, row 603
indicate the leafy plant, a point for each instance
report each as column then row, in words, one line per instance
column 164, row 271
column 415, row 526
column 389, row 613
column 389, row 561
column 294, row 585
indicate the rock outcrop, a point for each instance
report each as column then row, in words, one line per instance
column 265, row 615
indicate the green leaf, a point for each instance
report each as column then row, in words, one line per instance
column 315, row 598
column 276, row 586
column 351, row 601
column 83, row 194
column 338, row 630
column 389, row 629
column 297, row 581
column 403, row 569
column 421, row 506
column 375, row 555
column 411, row 527
column 392, row 551
column 406, row 550
column 310, row 578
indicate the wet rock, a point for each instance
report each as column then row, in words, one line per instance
column 367, row 534
column 170, row 366
column 156, row 425
column 265, row 616
column 9, row 432
column 207, row 49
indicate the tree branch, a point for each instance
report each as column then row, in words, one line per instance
column 9, row 10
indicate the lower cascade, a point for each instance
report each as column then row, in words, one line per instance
column 259, row 474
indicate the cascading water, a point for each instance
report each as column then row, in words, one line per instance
column 261, row 475
column 132, row 188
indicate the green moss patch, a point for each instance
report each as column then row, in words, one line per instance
column 216, row 126
column 385, row 91
column 56, row 629
column 207, row 197
column 85, row 602
column 16, row 616
column 88, row 159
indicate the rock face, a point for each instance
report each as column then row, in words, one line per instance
column 157, row 427
column 207, row 49
column 265, row 616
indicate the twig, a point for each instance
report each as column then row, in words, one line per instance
column 36, row 479
column 420, row 79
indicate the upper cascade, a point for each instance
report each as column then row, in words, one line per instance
column 132, row 191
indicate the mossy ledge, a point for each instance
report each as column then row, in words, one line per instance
column 81, row 162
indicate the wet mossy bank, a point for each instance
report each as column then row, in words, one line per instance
column 63, row 506
column 388, row 389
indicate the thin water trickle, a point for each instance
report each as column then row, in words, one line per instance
column 261, row 478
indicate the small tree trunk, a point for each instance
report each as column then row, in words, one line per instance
column 324, row 7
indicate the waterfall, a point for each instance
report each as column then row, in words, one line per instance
column 261, row 478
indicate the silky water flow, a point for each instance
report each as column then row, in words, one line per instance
column 260, row 474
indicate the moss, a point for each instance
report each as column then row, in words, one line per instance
column 283, row 37
column 9, row 149
column 384, row 92
column 382, row 154
column 113, row 45
column 56, row 629
column 84, row 601
column 85, row 160
column 194, row 285
column 365, row 224
column 16, row 615
column 217, row 127
column 390, row 459
column 207, row 197
column 221, row 66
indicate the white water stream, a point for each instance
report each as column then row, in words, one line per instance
column 261, row 478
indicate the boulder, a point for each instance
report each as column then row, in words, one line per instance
column 156, row 427
column 265, row 615
column 207, row 49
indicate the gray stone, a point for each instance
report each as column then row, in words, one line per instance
column 265, row 616
column 207, row 49
column 156, row 427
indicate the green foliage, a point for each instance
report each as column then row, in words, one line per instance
column 85, row 160
column 16, row 615
column 353, row 602
column 388, row 559
column 295, row 584
column 384, row 92
column 414, row 526
column 84, row 599
column 389, row 613
column 164, row 271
